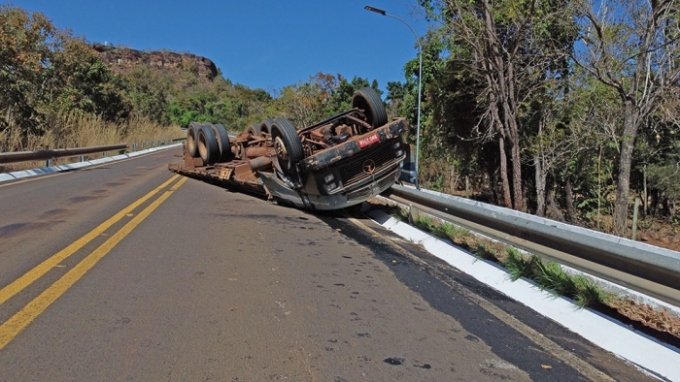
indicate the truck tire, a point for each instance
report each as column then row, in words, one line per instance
column 192, row 136
column 369, row 101
column 287, row 144
column 222, row 141
column 266, row 126
column 254, row 130
column 207, row 145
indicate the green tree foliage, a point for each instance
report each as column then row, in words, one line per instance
column 149, row 92
column 82, row 81
column 340, row 97
column 666, row 178
column 27, row 42
column 45, row 71
column 632, row 47
column 505, row 54
column 48, row 75
column 322, row 95
column 218, row 101
column 550, row 95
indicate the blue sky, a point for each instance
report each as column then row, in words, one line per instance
column 258, row 43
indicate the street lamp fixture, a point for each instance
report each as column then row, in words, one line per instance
column 420, row 76
column 376, row 10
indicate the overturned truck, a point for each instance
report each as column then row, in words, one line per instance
column 339, row 162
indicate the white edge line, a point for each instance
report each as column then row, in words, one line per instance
column 612, row 336
column 609, row 286
column 72, row 166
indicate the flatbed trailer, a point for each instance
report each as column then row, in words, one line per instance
column 339, row 162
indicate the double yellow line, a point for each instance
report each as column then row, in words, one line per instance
column 12, row 327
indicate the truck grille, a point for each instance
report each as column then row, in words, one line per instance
column 351, row 170
column 366, row 191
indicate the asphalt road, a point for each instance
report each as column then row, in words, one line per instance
column 128, row 272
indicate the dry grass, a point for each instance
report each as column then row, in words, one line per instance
column 77, row 130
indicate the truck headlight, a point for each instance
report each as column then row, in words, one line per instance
column 399, row 153
column 328, row 178
column 397, row 145
column 331, row 186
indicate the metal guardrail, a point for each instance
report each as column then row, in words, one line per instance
column 26, row 156
column 648, row 269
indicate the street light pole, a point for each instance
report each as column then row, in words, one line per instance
column 420, row 76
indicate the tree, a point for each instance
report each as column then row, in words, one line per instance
column 322, row 95
column 511, row 50
column 82, row 81
column 149, row 93
column 396, row 92
column 27, row 41
column 303, row 103
column 340, row 95
column 632, row 47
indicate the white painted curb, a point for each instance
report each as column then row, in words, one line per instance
column 648, row 354
column 72, row 166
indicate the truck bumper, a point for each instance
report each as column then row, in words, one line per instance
column 301, row 199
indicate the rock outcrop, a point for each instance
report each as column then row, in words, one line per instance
column 121, row 58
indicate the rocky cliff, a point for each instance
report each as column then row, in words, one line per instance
column 123, row 58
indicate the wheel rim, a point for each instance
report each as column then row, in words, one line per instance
column 191, row 142
column 202, row 146
column 282, row 152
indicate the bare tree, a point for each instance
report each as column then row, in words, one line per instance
column 510, row 49
column 631, row 46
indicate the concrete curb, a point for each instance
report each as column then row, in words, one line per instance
column 657, row 359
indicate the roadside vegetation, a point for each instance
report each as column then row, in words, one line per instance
column 56, row 91
column 547, row 275
column 567, row 109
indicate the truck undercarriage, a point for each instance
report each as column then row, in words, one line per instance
column 336, row 163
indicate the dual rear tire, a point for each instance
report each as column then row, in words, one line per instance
column 264, row 127
column 208, row 141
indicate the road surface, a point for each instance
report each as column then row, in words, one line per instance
column 128, row 272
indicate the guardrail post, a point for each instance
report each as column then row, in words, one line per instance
column 81, row 158
column 144, row 145
column 48, row 162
